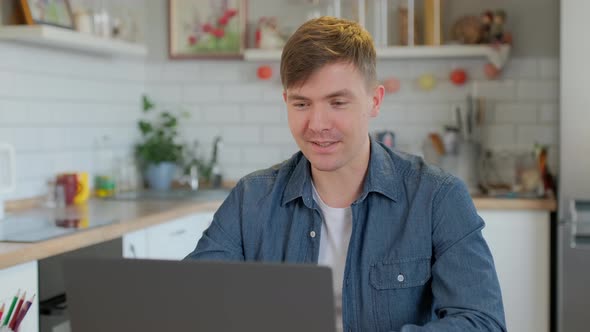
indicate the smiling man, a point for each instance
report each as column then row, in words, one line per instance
column 403, row 239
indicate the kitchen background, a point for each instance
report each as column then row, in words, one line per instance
column 59, row 111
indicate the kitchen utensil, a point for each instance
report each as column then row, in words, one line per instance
column 7, row 173
column 437, row 143
column 470, row 117
column 459, row 120
column 464, row 164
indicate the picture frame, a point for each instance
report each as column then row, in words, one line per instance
column 206, row 29
column 50, row 12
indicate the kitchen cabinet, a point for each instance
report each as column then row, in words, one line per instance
column 135, row 244
column 171, row 240
column 520, row 244
column 25, row 278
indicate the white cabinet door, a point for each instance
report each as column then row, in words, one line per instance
column 25, row 278
column 520, row 244
column 176, row 239
column 135, row 244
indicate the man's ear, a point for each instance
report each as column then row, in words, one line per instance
column 285, row 96
column 377, row 100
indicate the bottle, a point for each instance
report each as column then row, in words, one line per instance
column 104, row 179
column 216, row 175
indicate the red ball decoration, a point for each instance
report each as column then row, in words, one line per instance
column 458, row 77
column 264, row 72
column 491, row 71
column 391, row 85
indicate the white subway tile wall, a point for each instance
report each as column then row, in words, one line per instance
column 54, row 106
column 54, row 110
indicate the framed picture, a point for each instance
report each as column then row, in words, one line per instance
column 51, row 12
column 206, row 28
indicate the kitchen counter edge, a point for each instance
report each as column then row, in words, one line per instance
column 12, row 254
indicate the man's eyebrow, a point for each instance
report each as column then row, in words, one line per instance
column 339, row 93
column 295, row 96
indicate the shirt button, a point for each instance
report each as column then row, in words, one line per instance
column 400, row 277
column 312, row 234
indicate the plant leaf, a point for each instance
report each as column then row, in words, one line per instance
column 145, row 127
column 147, row 103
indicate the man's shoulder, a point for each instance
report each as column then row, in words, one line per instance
column 414, row 168
column 265, row 180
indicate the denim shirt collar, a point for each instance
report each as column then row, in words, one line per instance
column 382, row 177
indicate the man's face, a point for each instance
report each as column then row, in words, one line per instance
column 329, row 116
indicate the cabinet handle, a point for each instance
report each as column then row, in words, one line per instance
column 178, row 232
column 132, row 250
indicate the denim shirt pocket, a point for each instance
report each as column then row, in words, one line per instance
column 400, row 291
column 400, row 273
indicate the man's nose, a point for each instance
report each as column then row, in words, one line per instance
column 319, row 119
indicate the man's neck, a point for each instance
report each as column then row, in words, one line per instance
column 340, row 188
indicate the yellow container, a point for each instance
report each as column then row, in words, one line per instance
column 433, row 34
column 83, row 191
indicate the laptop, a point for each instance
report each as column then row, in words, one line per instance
column 119, row 295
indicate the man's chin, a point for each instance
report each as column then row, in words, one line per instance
column 324, row 166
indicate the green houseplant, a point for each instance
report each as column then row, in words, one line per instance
column 159, row 153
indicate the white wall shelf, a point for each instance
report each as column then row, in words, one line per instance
column 49, row 36
column 497, row 56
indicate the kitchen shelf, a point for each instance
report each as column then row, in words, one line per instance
column 496, row 55
column 51, row 36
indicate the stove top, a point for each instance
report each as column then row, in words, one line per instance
column 49, row 223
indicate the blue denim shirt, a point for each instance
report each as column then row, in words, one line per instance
column 416, row 261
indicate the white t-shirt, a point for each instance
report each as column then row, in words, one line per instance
column 335, row 236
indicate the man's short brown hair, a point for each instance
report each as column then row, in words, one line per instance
column 327, row 40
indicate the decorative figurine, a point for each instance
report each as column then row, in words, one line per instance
column 467, row 30
column 268, row 35
column 486, row 18
column 497, row 28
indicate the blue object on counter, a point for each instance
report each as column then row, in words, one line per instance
column 159, row 176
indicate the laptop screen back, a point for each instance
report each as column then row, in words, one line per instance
column 152, row 295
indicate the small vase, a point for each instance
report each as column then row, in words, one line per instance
column 159, row 176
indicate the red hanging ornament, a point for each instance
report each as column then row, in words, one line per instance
column 458, row 77
column 264, row 72
column 391, row 85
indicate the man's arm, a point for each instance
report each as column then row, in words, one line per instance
column 223, row 239
column 465, row 286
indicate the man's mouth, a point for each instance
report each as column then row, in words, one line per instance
column 324, row 144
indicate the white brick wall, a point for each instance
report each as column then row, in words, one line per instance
column 54, row 116
column 55, row 104
column 250, row 114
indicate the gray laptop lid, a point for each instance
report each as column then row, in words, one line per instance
column 152, row 295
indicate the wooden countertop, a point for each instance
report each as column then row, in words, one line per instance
column 491, row 203
column 135, row 215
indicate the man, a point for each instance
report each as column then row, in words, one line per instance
column 403, row 239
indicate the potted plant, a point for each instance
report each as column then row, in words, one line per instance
column 159, row 153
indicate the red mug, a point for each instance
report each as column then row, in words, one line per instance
column 69, row 183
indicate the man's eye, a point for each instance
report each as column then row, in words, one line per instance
column 339, row 103
column 300, row 105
